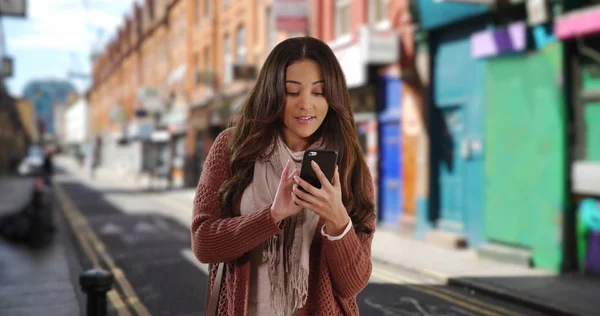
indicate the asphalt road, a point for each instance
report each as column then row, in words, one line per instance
column 139, row 234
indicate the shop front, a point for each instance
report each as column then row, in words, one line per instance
column 198, row 142
column 578, row 29
column 174, row 122
column 362, row 60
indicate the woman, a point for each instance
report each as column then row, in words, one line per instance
column 287, row 252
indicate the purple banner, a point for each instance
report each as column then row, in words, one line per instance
column 499, row 41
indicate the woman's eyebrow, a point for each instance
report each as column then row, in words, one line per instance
column 297, row 82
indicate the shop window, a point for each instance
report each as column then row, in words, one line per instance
column 207, row 8
column 342, row 17
column 270, row 20
column 227, row 61
column 378, row 11
column 241, row 47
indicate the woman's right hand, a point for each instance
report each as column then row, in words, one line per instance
column 284, row 206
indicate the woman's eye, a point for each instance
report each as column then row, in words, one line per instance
column 318, row 93
column 293, row 94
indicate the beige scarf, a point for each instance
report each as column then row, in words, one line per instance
column 286, row 254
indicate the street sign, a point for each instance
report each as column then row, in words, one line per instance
column 16, row 8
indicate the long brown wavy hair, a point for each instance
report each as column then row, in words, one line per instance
column 260, row 123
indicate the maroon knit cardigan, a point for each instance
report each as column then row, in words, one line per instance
column 339, row 269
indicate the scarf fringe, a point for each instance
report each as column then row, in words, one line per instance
column 286, row 301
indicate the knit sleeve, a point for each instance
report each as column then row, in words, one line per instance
column 349, row 258
column 216, row 239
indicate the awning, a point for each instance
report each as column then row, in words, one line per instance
column 578, row 23
column 173, row 117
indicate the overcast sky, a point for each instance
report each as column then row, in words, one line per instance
column 57, row 37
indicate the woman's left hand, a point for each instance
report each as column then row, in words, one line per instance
column 326, row 201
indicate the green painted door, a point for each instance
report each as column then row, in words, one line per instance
column 525, row 153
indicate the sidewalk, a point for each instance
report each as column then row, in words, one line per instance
column 554, row 294
column 33, row 282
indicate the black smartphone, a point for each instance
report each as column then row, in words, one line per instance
column 325, row 158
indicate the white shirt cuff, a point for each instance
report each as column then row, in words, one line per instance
column 332, row 238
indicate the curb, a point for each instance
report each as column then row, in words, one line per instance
column 494, row 291
column 421, row 272
column 512, row 297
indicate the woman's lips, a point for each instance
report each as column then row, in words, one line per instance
column 303, row 120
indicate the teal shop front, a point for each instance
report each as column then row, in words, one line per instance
column 456, row 116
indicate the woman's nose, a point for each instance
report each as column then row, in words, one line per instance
column 304, row 101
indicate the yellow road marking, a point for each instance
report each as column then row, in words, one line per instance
column 86, row 236
column 455, row 294
column 446, row 295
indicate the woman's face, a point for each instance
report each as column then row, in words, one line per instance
column 305, row 105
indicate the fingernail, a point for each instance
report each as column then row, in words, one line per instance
column 296, row 178
column 313, row 163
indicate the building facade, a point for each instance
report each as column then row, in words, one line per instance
column 361, row 35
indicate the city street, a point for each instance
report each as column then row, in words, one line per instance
column 143, row 237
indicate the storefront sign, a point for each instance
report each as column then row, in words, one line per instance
column 379, row 47
column 291, row 15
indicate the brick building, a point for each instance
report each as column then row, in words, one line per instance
column 229, row 43
column 183, row 67
column 362, row 36
column 131, row 97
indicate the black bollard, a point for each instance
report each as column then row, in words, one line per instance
column 96, row 283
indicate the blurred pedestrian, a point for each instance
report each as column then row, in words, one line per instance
column 48, row 166
column 250, row 214
column 95, row 156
